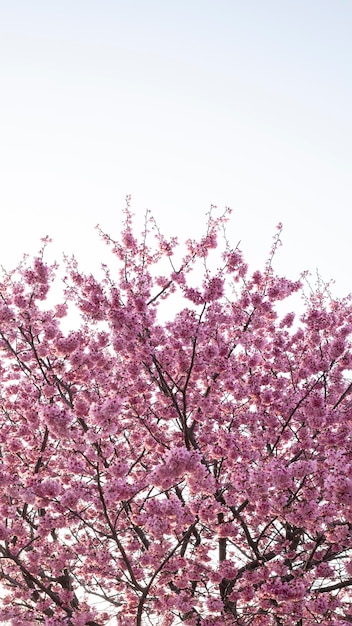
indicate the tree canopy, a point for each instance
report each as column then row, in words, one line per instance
column 187, row 468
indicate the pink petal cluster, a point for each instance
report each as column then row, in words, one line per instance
column 164, row 468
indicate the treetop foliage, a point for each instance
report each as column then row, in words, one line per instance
column 189, row 470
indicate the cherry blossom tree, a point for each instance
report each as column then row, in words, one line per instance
column 159, row 468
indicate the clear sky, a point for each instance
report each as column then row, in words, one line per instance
column 183, row 104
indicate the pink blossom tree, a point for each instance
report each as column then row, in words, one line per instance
column 195, row 470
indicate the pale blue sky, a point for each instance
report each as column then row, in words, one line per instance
column 181, row 104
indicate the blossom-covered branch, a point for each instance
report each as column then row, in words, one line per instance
column 166, row 468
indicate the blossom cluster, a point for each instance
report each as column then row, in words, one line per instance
column 192, row 467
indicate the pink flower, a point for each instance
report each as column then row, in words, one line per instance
column 49, row 488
